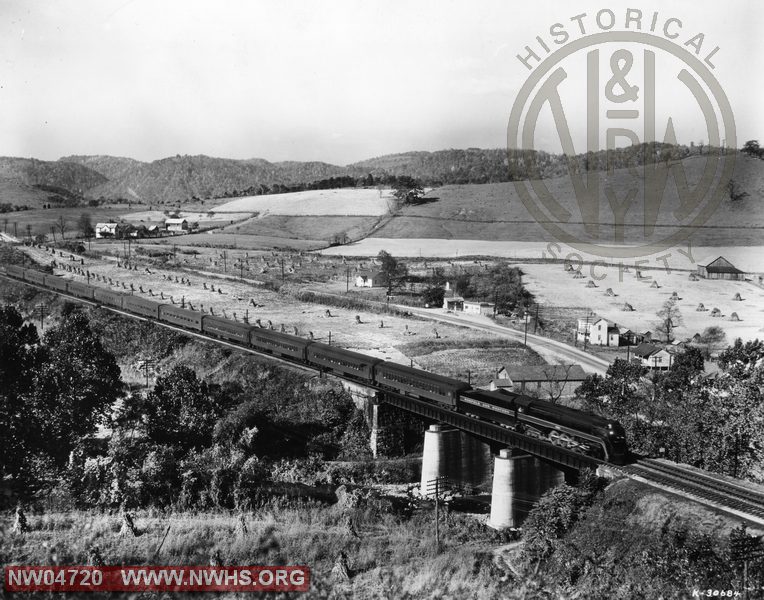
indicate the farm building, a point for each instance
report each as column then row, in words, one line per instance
column 456, row 303
column 601, row 332
column 176, row 225
column 558, row 381
column 113, row 230
column 478, row 308
column 104, row 230
column 369, row 279
column 720, row 268
column 653, row 357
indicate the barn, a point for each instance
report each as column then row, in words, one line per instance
column 720, row 268
column 176, row 225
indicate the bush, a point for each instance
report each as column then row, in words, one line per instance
column 248, row 491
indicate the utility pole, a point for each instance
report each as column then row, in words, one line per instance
column 147, row 367
column 41, row 308
column 536, row 323
column 525, row 317
column 436, row 485
column 330, row 338
column 743, row 549
column 586, row 330
column 15, row 230
column 282, row 270
column 437, row 519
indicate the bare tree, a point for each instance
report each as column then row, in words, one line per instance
column 557, row 379
column 61, row 224
column 670, row 318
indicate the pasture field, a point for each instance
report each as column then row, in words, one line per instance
column 496, row 212
column 294, row 229
column 337, row 202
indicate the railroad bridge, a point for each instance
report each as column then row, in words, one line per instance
column 464, row 449
column 470, row 451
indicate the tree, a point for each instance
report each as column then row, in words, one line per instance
column 751, row 148
column 685, row 367
column 61, row 224
column 19, row 357
column 734, row 191
column 76, row 385
column 394, row 272
column 407, row 190
column 85, row 225
column 713, row 337
column 504, row 286
column 741, row 358
column 670, row 319
column 433, row 295
column 181, row 410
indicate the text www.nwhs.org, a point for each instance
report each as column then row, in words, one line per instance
column 135, row 579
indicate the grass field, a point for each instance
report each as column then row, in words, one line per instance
column 496, row 212
column 476, row 359
column 338, row 202
column 290, row 228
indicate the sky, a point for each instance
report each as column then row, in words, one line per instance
column 331, row 80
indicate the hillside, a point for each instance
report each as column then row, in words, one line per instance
column 495, row 211
column 111, row 167
column 444, row 166
column 27, row 172
column 182, row 178
column 179, row 178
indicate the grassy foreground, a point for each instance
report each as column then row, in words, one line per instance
column 309, row 535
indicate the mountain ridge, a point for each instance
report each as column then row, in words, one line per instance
column 181, row 178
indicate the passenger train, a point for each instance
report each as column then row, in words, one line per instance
column 562, row 426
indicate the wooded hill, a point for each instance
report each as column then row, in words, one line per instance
column 183, row 178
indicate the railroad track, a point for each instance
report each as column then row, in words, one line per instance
column 705, row 487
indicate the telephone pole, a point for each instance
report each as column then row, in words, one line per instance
column 41, row 309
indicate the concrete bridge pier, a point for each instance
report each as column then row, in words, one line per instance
column 441, row 456
column 451, row 453
column 519, row 480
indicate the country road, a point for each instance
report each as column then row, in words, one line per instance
column 542, row 345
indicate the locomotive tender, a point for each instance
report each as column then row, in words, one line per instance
column 562, row 426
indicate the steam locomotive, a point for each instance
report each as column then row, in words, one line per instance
column 562, row 426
